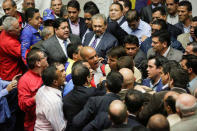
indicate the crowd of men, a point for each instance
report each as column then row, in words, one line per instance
column 135, row 70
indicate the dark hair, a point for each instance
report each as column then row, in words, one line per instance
column 176, row 1
column 71, row 49
column 58, row 22
column 49, row 75
column 127, row 3
column 131, row 39
column 114, row 81
column 187, row 4
column 160, row 9
column 180, row 77
column 63, row 10
column 191, row 62
column 134, row 100
column 125, row 62
column 79, row 74
column 194, row 44
column 171, row 101
column 169, row 65
column 117, row 51
column 117, row 3
column 29, row 13
column 160, row 22
column 32, row 57
column 90, row 5
column 74, row 4
column 159, row 60
column 163, row 36
column 194, row 19
column 132, row 15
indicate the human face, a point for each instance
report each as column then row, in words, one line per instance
column 62, row 31
column 98, row 26
column 193, row 25
column 56, row 6
column 43, row 61
column 28, row 4
column 183, row 64
column 115, row 12
column 171, row 7
column 131, row 49
column 73, row 14
column 183, row 13
column 164, row 78
column 189, row 50
column 61, row 73
column 35, row 21
column 92, row 59
column 155, row 27
column 133, row 24
column 112, row 61
column 9, row 9
column 157, row 15
column 15, row 31
column 152, row 70
column 87, row 17
column 157, row 45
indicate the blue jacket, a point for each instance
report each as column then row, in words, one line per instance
column 157, row 87
column 4, row 108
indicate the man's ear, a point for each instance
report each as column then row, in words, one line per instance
column 189, row 70
column 38, row 64
column 55, row 83
column 165, row 44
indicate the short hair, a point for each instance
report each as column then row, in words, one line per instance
column 125, row 62
column 169, row 65
column 191, row 62
column 117, row 51
column 131, row 39
column 71, row 49
column 159, row 60
column 49, row 75
column 194, row 44
column 132, row 15
column 180, row 77
column 114, row 81
column 163, row 35
column 176, row 1
column 45, row 32
column 171, row 102
column 127, row 3
column 8, row 23
column 117, row 3
column 134, row 100
column 63, row 10
column 160, row 9
column 79, row 74
column 58, row 22
column 97, row 16
column 161, row 23
column 187, row 4
column 32, row 57
column 74, row 4
column 92, row 11
column 194, row 19
column 29, row 13
column 89, row 7
column 12, row 2
column 195, row 31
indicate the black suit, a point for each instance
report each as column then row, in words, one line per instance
column 174, row 31
column 180, row 26
column 74, row 102
column 122, row 127
column 82, row 27
column 53, row 49
column 146, row 13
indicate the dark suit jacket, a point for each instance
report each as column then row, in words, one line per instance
column 180, row 26
column 122, row 127
column 174, row 31
column 74, row 102
column 140, row 56
column 146, row 13
column 93, row 107
column 53, row 49
column 82, row 27
column 107, row 42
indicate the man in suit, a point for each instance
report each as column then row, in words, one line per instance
column 74, row 102
column 77, row 24
column 100, row 39
column 186, row 107
column 55, row 46
column 161, row 46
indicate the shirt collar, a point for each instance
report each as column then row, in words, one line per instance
column 167, row 51
column 153, row 86
column 156, row 6
column 56, row 91
column 119, row 20
column 33, row 29
column 165, row 86
column 74, row 23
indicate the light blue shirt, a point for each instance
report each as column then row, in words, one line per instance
column 193, row 84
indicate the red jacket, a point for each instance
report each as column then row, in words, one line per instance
column 10, row 56
column 28, row 85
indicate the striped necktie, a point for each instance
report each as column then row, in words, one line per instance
column 93, row 45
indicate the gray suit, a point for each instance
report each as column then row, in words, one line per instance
column 140, row 56
column 186, row 124
column 107, row 42
column 53, row 49
column 173, row 54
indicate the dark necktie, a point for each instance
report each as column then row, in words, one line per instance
column 93, row 45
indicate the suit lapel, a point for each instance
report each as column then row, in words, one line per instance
column 58, row 47
column 102, row 42
column 88, row 38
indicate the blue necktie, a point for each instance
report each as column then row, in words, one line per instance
column 93, row 45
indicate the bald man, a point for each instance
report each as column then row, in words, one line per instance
column 169, row 105
column 128, row 83
column 186, row 107
column 89, row 54
column 158, row 122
